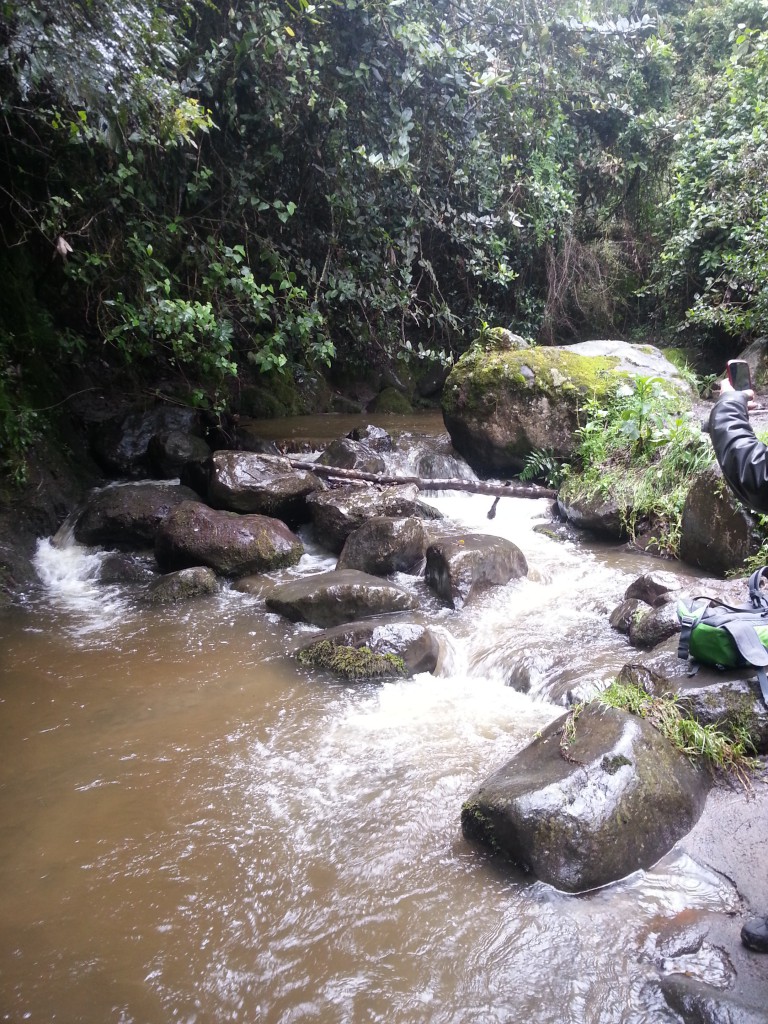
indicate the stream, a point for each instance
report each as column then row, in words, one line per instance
column 197, row 829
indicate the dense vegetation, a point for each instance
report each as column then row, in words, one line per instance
column 207, row 193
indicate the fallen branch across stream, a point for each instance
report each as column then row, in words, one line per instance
column 424, row 484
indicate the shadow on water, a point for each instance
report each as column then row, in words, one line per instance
column 195, row 828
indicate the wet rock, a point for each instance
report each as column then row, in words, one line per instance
column 128, row 515
column 231, row 544
column 345, row 453
column 620, row 801
column 460, row 567
column 651, row 626
column 697, row 1003
column 331, row 598
column 730, row 700
column 384, row 545
column 622, row 616
column 731, row 704
column 183, row 585
column 120, row 567
column 499, row 406
column 655, row 588
column 415, row 645
column 602, row 516
column 170, row 451
column 376, row 438
column 120, row 445
column 443, row 466
column 717, row 532
column 246, row 482
column 339, row 512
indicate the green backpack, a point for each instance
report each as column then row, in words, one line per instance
column 728, row 636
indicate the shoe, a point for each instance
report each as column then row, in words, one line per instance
column 754, row 934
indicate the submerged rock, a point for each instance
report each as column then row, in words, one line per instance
column 384, row 545
column 583, row 812
column 231, row 544
column 459, row 567
column 128, row 515
column 330, row 598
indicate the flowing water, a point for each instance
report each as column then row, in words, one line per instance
column 194, row 828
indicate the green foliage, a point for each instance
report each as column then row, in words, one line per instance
column 640, row 449
column 543, row 466
column 729, row 750
column 715, row 257
column 211, row 190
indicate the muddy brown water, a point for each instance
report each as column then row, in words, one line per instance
column 196, row 829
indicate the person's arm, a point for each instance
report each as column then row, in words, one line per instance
column 743, row 459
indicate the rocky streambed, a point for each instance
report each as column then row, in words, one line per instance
column 395, row 587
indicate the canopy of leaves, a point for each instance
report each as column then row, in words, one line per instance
column 212, row 190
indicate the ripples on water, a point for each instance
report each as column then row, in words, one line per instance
column 196, row 829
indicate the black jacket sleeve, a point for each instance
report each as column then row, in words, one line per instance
column 743, row 459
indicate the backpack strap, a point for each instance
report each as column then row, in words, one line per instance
column 757, row 598
column 688, row 618
column 751, row 649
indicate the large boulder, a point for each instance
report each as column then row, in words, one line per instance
column 499, row 406
column 230, row 544
column 582, row 810
column 339, row 512
column 459, row 567
column 414, row 645
column 384, row 545
column 331, row 598
column 717, row 532
column 121, row 445
column 247, row 482
column 128, row 515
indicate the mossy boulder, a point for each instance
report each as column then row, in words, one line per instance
column 582, row 809
column 409, row 646
column 390, row 400
column 500, row 405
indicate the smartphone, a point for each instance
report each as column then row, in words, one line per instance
column 739, row 375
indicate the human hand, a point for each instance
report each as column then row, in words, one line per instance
column 726, row 387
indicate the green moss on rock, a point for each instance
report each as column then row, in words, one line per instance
column 390, row 400
column 351, row 662
column 479, row 375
